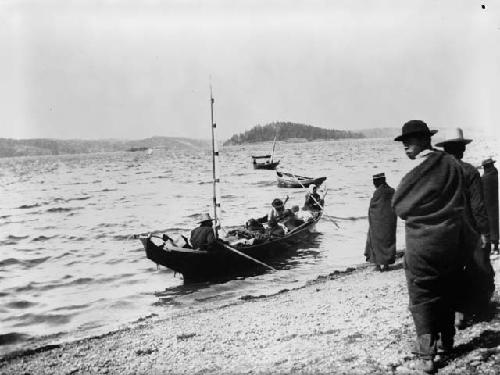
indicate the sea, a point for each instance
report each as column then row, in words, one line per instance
column 70, row 267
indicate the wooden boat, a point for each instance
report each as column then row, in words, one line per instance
column 221, row 263
column 222, row 260
column 290, row 180
column 267, row 164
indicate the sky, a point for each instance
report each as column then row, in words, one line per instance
column 134, row 69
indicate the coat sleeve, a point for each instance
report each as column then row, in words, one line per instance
column 477, row 204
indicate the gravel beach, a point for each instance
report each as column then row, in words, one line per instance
column 352, row 322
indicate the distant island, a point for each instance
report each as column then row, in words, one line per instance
column 289, row 130
column 44, row 146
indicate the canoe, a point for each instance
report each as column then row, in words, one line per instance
column 268, row 164
column 220, row 263
column 289, row 180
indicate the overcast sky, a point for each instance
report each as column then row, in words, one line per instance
column 134, row 69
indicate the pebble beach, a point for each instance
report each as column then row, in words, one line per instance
column 348, row 322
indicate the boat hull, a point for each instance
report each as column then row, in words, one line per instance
column 287, row 180
column 268, row 166
column 221, row 263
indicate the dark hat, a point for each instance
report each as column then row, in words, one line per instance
column 488, row 161
column 457, row 137
column 378, row 176
column 277, row 203
column 414, row 127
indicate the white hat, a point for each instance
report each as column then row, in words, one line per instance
column 205, row 217
column 455, row 135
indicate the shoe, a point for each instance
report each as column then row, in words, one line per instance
column 445, row 346
column 423, row 365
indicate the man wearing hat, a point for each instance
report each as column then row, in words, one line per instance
column 430, row 199
column 490, row 189
column 381, row 239
column 203, row 237
column 479, row 277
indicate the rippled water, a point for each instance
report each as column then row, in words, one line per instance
column 69, row 267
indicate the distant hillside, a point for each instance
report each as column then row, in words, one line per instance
column 381, row 132
column 288, row 130
column 44, row 146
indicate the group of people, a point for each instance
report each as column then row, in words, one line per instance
column 275, row 224
column 451, row 226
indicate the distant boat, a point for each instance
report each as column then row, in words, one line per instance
column 149, row 151
column 290, row 180
column 135, row 149
column 268, row 162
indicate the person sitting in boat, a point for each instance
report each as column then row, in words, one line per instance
column 253, row 226
column 203, row 237
column 313, row 201
column 274, row 230
column 276, row 212
column 291, row 220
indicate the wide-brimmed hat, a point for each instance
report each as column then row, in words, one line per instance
column 488, row 161
column 414, row 127
column 205, row 217
column 456, row 136
column 277, row 203
column 378, row 176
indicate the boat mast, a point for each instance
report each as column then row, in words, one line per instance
column 214, row 154
column 274, row 144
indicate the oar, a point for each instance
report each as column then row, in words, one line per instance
column 247, row 256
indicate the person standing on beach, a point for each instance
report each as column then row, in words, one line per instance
column 381, row 239
column 479, row 277
column 430, row 199
column 490, row 189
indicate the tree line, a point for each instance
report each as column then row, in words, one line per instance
column 288, row 130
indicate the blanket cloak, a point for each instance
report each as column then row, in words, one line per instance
column 490, row 188
column 478, row 281
column 431, row 198
column 381, row 240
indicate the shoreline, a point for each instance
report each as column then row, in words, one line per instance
column 352, row 321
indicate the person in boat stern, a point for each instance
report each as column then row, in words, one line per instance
column 381, row 239
column 479, row 277
column 490, row 189
column 435, row 239
column 313, row 201
column 203, row 237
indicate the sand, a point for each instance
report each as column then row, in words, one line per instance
column 353, row 322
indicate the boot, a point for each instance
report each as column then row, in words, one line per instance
column 423, row 364
column 460, row 321
column 445, row 344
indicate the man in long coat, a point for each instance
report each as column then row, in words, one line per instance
column 490, row 188
column 479, row 277
column 381, row 239
column 430, row 198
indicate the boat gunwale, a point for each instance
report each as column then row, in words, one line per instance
column 291, row 234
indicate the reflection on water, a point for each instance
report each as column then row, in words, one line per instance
column 68, row 263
